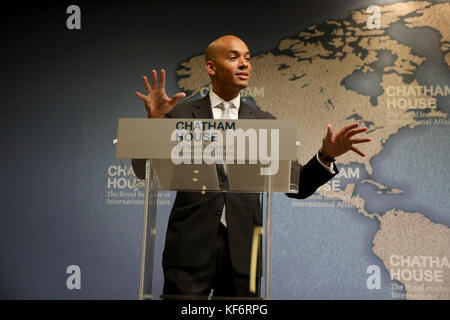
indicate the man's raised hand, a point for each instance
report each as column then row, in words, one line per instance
column 157, row 103
column 334, row 145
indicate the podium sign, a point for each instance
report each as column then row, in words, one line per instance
column 155, row 138
column 208, row 155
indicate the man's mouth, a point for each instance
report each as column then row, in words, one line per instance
column 242, row 75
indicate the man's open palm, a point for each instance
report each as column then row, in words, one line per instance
column 157, row 103
column 336, row 144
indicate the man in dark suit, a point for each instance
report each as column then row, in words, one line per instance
column 209, row 235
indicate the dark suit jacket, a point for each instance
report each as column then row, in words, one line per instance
column 195, row 217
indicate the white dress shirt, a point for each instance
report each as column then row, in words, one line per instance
column 217, row 112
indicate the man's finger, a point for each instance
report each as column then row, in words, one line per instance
column 362, row 140
column 140, row 95
column 146, row 84
column 154, row 78
column 352, row 132
column 329, row 131
column 162, row 80
column 354, row 149
column 348, row 128
column 177, row 98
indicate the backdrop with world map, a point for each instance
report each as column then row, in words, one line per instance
column 379, row 230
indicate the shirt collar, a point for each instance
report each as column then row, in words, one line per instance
column 216, row 100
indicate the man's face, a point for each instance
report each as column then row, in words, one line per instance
column 232, row 67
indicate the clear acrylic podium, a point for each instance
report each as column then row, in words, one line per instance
column 154, row 148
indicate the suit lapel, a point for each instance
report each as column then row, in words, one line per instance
column 202, row 110
column 245, row 111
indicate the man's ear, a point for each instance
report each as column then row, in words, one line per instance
column 210, row 68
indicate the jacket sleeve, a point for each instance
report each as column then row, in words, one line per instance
column 312, row 176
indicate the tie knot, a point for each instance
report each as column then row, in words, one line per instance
column 226, row 108
column 225, row 105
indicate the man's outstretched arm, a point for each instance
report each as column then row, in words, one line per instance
column 314, row 174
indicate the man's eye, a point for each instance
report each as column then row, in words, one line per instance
column 233, row 58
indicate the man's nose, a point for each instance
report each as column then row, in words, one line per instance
column 243, row 63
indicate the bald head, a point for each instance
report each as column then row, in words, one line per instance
column 220, row 44
column 228, row 65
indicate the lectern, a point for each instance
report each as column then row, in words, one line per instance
column 206, row 155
